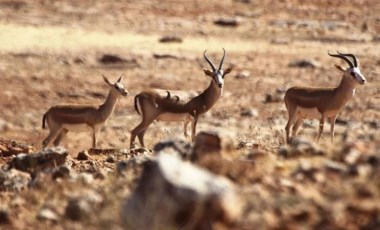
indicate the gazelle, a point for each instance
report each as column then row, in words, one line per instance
column 323, row 103
column 73, row 117
column 153, row 105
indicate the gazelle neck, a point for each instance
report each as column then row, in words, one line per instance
column 346, row 90
column 212, row 94
column 108, row 106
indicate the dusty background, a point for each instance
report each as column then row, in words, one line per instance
column 50, row 53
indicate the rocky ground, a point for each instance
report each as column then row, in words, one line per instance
column 55, row 52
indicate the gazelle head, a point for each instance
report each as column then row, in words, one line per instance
column 353, row 72
column 117, row 87
column 217, row 74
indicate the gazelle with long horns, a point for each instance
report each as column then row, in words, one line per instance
column 153, row 105
column 323, row 103
column 74, row 117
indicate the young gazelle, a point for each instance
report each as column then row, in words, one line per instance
column 153, row 105
column 322, row 103
column 79, row 118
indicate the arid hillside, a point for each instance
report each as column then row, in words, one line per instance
column 55, row 52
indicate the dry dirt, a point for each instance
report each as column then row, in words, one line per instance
column 50, row 51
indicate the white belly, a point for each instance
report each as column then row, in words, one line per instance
column 77, row 127
column 175, row 117
column 308, row 113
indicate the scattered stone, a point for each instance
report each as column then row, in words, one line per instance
column 11, row 147
column 243, row 74
column 214, row 143
column 335, row 166
column 83, row 156
column 305, row 171
column 165, row 56
column 305, row 63
column 62, row 171
column 300, row 147
column 111, row 59
column 280, row 41
column 171, row 39
column 47, row 158
column 4, row 216
column 273, row 98
column 178, row 199
column 80, row 208
column 47, row 214
column 134, row 163
column 111, row 159
column 176, row 146
column 249, row 113
column 228, row 22
column 77, row 209
column 13, row 180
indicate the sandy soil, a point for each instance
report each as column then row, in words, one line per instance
column 50, row 51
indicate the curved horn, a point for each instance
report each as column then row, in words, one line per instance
column 121, row 77
column 209, row 61
column 168, row 96
column 222, row 61
column 352, row 56
column 342, row 57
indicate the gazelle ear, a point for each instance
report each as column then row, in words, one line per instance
column 340, row 68
column 227, row 71
column 106, row 80
column 207, row 72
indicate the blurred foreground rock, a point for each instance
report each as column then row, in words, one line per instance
column 13, row 180
column 47, row 158
column 176, row 194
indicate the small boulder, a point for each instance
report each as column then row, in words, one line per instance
column 47, row 214
column 47, row 158
column 83, row 156
column 171, row 39
column 13, row 180
column 179, row 199
column 304, row 63
column 176, row 146
column 228, row 22
column 215, row 143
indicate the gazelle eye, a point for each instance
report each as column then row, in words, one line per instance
column 352, row 74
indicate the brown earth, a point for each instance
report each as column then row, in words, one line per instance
column 50, row 51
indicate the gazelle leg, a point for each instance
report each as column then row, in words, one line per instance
column 94, row 136
column 292, row 119
column 193, row 128
column 54, row 131
column 321, row 124
column 185, row 124
column 296, row 126
column 332, row 127
column 140, row 131
column 60, row 137
column 141, row 137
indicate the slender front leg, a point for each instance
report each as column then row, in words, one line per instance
column 94, row 135
column 185, row 124
column 60, row 137
column 321, row 124
column 194, row 127
column 296, row 126
column 332, row 127
column 292, row 119
column 54, row 131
